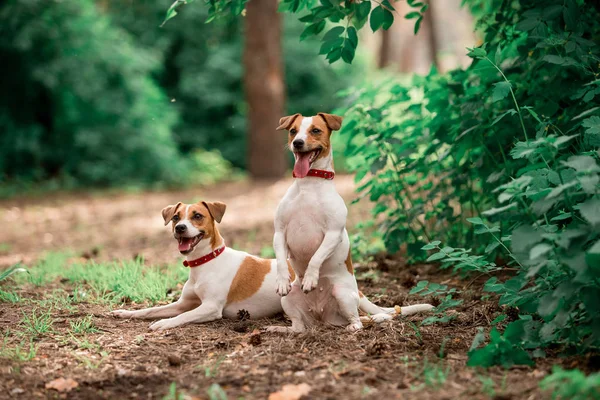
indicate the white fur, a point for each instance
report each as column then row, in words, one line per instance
column 310, row 230
column 191, row 231
column 204, row 295
column 302, row 131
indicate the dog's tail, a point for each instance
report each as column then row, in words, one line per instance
column 366, row 306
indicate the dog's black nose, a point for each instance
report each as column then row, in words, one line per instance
column 298, row 143
column 180, row 228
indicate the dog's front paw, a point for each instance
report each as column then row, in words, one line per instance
column 355, row 326
column 310, row 282
column 283, row 286
column 164, row 324
column 279, row 329
column 122, row 313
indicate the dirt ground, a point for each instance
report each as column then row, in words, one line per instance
column 397, row 359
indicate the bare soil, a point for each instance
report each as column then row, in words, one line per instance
column 397, row 359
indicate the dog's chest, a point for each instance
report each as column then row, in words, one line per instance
column 305, row 220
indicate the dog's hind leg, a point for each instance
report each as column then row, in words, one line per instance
column 292, row 305
column 348, row 301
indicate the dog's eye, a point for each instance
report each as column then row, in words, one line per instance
column 175, row 218
column 293, row 131
column 198, row 216
column 316, row 131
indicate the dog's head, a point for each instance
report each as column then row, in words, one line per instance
column 193, row 223
column 309, row 138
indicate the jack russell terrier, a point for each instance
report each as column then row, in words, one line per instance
column 310, row 230
column 222, row 281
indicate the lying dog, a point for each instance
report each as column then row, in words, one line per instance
column 310, row 230
column 222, row 281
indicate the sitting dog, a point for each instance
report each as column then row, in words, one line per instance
column 221, row 282
column 310, row 230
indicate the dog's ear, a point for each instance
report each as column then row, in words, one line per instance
column 216, row 209
column 286, row 122
column 169, row 211
column 334, row 122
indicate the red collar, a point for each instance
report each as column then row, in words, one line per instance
column 319, row 173
column 204, row 259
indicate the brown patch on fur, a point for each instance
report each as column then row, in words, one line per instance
column 169, row 211
column 349, row 266
column 291, row 271
column 248, row 279
column 334, row 122
column 216, row 209
column 286, row 122
column 360, row 294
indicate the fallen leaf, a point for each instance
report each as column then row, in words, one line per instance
column 291, row 392
column 62, row 384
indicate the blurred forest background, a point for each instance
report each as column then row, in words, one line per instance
column 96, row 93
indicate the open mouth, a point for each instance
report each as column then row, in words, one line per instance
column 187, row 244
column 303, row 161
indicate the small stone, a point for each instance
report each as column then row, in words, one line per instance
column 17, row 391
column 174, row 360
column 121, row 372
column 300, row 374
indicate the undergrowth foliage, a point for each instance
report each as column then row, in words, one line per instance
column 495, row 169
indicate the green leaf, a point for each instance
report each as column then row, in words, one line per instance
column 353, row 36
column 589, row 183
column 582, row 164
column 348, row 53
column 501, row 90
column 333, row 33
column 362, row 13
column 476, row 221
column 412, row 15
column 326, row 47
column 436, row 256
column 592, row 124
column 312, row 30
column 420, row 286
column 595, row 249
column 511, row 112
column 377, row 18
column 417, row 25
column 172, row 11
column 334, row 55
column 491, row 247
column 563, row 139
column 494, row 211
column 388, row 19
column 477, row 52
column 539, row 250
column 590, row 210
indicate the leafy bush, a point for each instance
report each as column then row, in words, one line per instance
column 572, row 384
column 513, row 140
column 79, row 100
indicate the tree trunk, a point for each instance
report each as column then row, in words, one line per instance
column 263, row 79
column 429, row 23
column 384, row 48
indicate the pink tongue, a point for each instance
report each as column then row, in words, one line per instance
column 302, row 166
column 185, row 244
